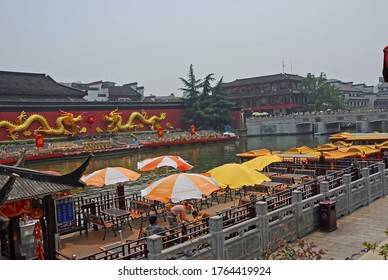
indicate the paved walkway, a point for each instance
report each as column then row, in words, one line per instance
column 367, row 223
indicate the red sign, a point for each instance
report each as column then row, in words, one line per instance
column 192, row 129
column 160, row 132
column 39, row 141
column 17, row 208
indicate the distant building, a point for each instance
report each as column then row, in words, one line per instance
column 382, row 95
column 108, row 91
column 31, row 87
column 279, row 93
column 355, row 95
column 167, row 98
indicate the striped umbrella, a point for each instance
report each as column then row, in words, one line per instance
column 173, row 161
column 110, row 176
column 181, row 186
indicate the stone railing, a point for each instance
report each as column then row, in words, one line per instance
column 250, row 238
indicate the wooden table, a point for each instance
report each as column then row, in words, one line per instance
column 118, row 215
column 296, row 178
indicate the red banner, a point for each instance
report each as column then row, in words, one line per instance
column 16, row 209
column 39, row 141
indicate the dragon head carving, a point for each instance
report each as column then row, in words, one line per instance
column 114, row 118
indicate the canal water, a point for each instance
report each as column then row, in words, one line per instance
column 202, row 156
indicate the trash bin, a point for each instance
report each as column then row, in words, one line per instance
column 327, row 215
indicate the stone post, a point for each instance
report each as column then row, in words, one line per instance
column 365, row 172
column 155, row 247
column 381, row 168
column 324, row 188
column 347, row 179
column 297, row 203
column 262, row 215
column 215, row 228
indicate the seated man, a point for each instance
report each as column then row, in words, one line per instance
column 198, row 216
column 153, row 227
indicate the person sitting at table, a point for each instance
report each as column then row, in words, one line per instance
column 153, row 227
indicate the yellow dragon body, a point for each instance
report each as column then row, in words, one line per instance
column 116, row 121
column 23, row 122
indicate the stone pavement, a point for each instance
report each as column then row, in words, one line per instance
column 367, row 223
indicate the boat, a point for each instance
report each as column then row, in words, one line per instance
column 107, row 147
column 188, row 141
column 66, row 153
column 372, row 138
column 253, row 153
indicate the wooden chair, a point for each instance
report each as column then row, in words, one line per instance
column 139, row 210
column 99, row 222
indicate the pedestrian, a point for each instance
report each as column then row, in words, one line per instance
column 153, row 227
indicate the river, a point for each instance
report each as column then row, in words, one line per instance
column 202, row 156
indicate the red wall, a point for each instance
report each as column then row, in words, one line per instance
column 173, row 116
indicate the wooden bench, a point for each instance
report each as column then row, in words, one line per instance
column 99, row 222
column 309, row 172
column 278, row 170
column 282, row 179
column 139, row 209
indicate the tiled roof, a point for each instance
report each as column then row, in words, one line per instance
column 264, row 79
column 124, row 92
column 35, row 86
column 24, row 188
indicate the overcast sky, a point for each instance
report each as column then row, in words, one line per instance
column 154, row 42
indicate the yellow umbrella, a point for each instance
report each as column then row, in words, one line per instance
column 259, row 163
column 234, row 176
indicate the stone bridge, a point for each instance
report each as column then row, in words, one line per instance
column 323, row 123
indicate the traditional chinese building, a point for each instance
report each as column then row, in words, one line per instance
column 279, row 93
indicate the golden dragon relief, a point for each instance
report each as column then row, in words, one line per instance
column 116, row 121
column 22, row 123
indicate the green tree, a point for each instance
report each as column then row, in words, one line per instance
column 321, row 95
column 190, row 89
column 218, row 111
column 206, row 106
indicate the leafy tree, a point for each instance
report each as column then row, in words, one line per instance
column 218, row 111
column 190, row 89
column 321, row 95
column 206, row 106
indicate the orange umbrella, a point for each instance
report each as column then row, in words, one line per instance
column 110, row 176
column 172, row 161
column 182, row 186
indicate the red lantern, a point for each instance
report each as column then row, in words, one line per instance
column 192, row 129
column 39, row 141
column 160, row 132
column 90, row 119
